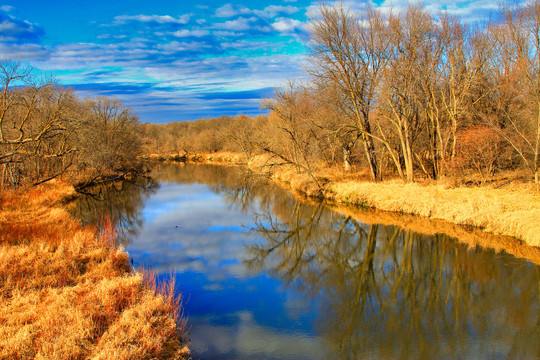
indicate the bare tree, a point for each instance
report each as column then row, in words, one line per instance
column 297, row 143
column 515, row 75
column 108, row 137
column 347, row 49
column 34, row 125
column 464, row 64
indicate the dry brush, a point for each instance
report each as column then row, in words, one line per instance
column 68, row 292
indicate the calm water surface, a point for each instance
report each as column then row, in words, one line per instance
column 265, row 276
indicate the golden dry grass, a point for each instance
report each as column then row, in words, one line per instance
column 221, row 158
column 68, row 292
column 471, row 236
column 503, row 212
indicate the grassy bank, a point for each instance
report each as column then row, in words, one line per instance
column 68, row 292
column 510, row 212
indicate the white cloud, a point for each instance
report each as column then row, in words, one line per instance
column 28, row 52
column 188, row 33
column 6, row 8
column 224, row 33
column 466, row 9
column 287, row 25
column 275, row 10
column 240, row 24
column 176, row 46
column 229, row 10
column 271, row 11
column 226, row 10
column 109, row 36
column 161, row 19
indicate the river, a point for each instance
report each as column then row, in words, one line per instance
column 265, row 275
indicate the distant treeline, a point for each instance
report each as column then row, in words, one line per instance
column 401, row 92
column 46, row 130
column 225, row 133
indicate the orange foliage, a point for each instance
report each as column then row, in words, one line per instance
column 480, row 148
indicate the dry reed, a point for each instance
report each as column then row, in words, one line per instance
column 502, row 212
column 67, row 292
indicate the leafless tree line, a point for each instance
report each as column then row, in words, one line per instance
column 225, row 133
column 402, row 93
column 417, row 93
column 46, row 130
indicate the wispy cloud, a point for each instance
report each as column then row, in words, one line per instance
column 229, row 10
column 6, row 8
column 191, row 33
column 271, row 11
column 287, row 25
column 160, row 19
column 183, row 58
column 18, row 31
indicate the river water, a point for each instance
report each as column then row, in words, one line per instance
column 264, row 275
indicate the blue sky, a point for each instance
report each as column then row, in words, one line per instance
column 174, row 60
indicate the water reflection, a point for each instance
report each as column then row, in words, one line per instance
column 390, row 293
column 122, row 202
column 266, row 276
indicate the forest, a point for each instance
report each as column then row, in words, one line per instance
column 399, row 94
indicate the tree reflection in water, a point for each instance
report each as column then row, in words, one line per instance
column 122, row 202
column 384, row 292
column 390, row 293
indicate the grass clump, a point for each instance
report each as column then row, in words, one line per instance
column 68, row 292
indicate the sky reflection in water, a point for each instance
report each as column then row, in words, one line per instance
column 266, row 277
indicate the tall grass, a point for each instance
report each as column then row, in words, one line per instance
column 67, row 292
column 503, row 212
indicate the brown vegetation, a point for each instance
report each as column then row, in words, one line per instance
column 67, row 292
column 503, row 212
column 47, row 131
column 512, row 212
column 407, row 95
column 236, row 134
column 400, row 94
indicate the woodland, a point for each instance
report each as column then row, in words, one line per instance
column 395, row 95
column 400, row 94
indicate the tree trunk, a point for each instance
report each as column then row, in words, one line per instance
column 370, row 150
column 347, row 159
column 372, row 159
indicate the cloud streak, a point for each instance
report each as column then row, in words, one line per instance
column 190, row 54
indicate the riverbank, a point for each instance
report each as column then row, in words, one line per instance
column 69, row 292
column 508, row 212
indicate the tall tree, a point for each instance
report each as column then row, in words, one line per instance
column 516, row 73
column 108, row 136
column 348, row 50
